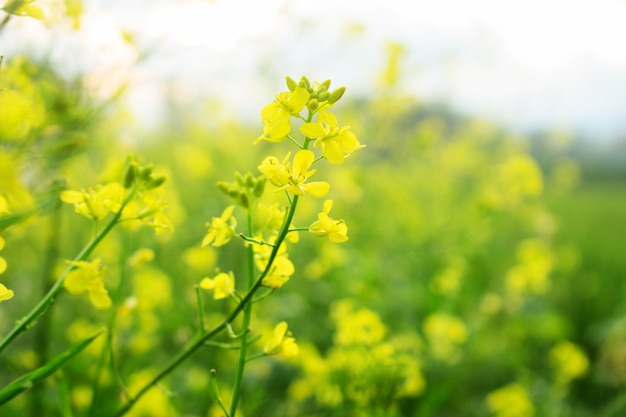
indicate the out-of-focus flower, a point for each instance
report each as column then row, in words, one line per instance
column 223, row 285
column 221, row 229
column 283, row 342
column 335, row 230
column 510, row 401
column 87, row 277
column 95, row 203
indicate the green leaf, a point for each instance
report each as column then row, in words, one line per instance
column 26, row 381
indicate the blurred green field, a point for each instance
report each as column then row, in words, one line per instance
column 479, row 278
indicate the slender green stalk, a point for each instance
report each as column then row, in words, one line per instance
column 29, row 320
column 247, row 314
column 198, row 339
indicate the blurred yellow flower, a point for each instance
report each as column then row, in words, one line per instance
column 223, row 285
column 445, row 333
column 4, row 206
column 283, row 342
column 336, row 142
column 5, row 293
column 569, row 362
column 276, row 116
column 510, row 401
column 335, row 230
column 294, row 180
column 221, row 229
column 95, row 203
column 281, row 271
column 87, row 277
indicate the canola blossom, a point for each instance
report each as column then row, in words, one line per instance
column 95, row 203
column 282, row 342
column 86, row 277
column 223, row 285
column 276, row 116
column 293, row 177
column 335, row 230
column 221, row 229
column 336, row 142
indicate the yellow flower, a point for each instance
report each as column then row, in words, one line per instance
column 223, row 285
column 569, row 361
column 5, row 293
column 3, row 262
column 276, row 116
column 510, row 401
column 294, row 179
column 4, row 206
column 87, row 277
column 283, row 342
column 221, row 229
column 281, row 271
column 95, row 204
column 149, row 209
column 336, row 142
column 336, row 230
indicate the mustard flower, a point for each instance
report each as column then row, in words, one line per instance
column 95, row 203
column 276, row 116
column 4, row 206
column 223, row 285
column 293, row 177
column 87, row 277
column 336, row 142
column 336, row 230
column 282, row 269
column 5, row 293
column 221, row 229
column 149, row 209
column 283, row 342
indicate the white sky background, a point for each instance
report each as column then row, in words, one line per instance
column 529, row 63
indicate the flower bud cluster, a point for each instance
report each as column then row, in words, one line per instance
column 245, row 189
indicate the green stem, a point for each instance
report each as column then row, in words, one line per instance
column 29, row 320
column 199, row 338
column 247, row 313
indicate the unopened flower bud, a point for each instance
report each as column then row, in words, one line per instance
column 244, row 200
column 312, row 105
column 336, row 95
column 325, row 84
column 291, row 83
column 240, row 180
column 304, row 83
column 130, row 172
column 156, row 182
column 224, row 187
column 323, row 96
column 259, row 186
column 249, row 180
column 145, row 172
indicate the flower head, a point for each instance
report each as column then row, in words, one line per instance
column 95, row 203
column 5, row 293
column 283, row 342
column 336, row 142
column 223, row 285
column 221, row 229
column 336, row 230
column 87, row 277
column 277, row 115
column 293, row 177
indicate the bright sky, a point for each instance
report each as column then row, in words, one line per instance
column 559, row 63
